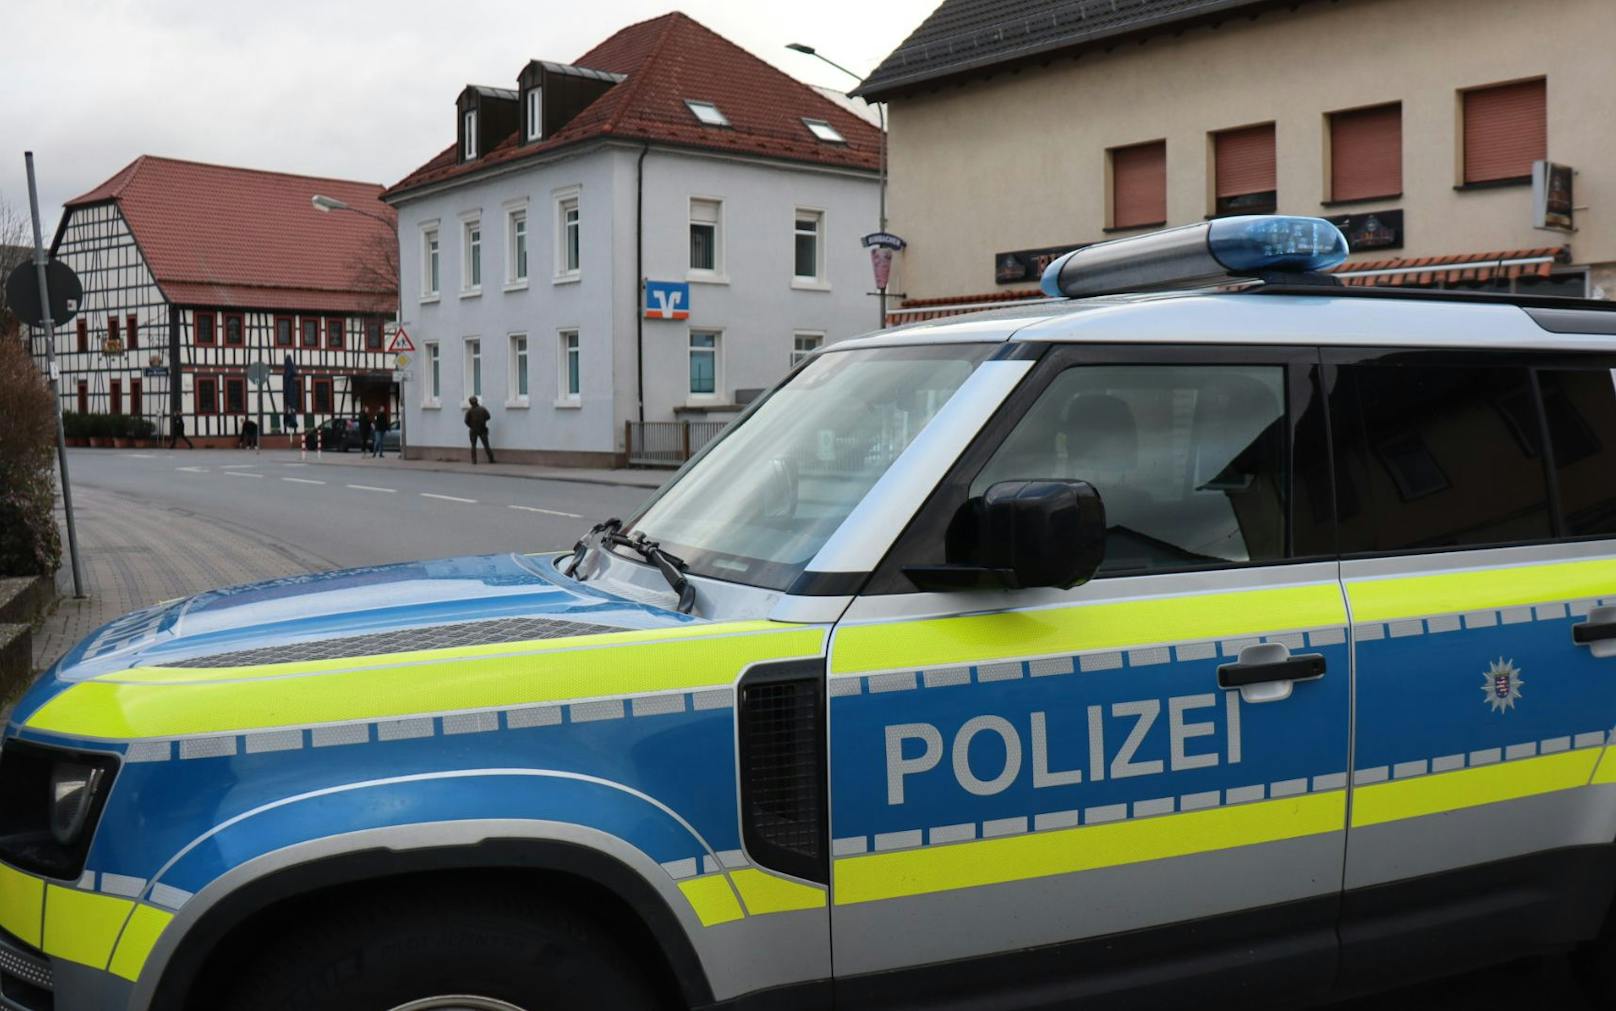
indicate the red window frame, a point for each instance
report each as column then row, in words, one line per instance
column 196, row 328
column 334, row 335
column 211, row 404
column 112, row 329
column 84, row 396
column 319, row 385
column 136, row 405
column 241, row 329
column 291, row 334
column 115, row 397
column 131, row 329
column 235, row 394
column 373, row 335
column 305, row 330
column 84, row 336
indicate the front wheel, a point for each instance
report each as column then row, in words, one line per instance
column 432, row 949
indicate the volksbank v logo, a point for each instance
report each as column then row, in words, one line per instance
column 667, row 299
column 1114, row 736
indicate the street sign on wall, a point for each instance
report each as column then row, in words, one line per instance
column 667, row 299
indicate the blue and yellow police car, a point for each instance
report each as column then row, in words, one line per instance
column 1207, row 629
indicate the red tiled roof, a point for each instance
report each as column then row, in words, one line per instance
column 241, row 238
column 1455, row 268
column 667, row 60
column 916, row 310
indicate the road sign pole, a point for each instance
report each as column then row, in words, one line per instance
column 55, row 385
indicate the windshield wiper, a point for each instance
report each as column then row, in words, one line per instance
column 671, row 566
column 591, row 539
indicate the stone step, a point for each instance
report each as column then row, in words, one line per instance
column 24, row 599
column 16, row 659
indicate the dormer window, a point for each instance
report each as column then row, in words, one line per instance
column 707, row 113
column 470, row 129
column 535, row 113
column 824, row 131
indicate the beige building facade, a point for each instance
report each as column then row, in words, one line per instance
column 1017, row 155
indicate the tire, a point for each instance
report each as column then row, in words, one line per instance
column 385, row 952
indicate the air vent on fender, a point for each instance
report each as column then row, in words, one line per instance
column 781, row 725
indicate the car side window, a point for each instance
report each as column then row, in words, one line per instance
column 1438, row 456
column 1580, row 407
column 1190, row 460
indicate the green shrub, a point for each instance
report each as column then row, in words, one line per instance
column 29, row 542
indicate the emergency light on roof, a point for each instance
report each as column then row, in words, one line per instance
column 1198, row 255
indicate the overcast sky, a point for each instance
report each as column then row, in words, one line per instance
column 358, row 89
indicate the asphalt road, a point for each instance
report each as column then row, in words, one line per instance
column 365, row 512
column 360, row 513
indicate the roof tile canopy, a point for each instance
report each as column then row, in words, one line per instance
column 241, row 238
column 965, row 35
column 670, row 59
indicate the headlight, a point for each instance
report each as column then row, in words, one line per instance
column 50, row 802
column 73, row 791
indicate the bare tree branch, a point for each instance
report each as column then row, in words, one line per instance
column 375, row 275
column 16, row 247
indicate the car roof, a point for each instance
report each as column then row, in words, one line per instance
column 1329, row 317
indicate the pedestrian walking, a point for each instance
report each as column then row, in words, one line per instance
column 477, row 423
column 248, row 439
column 176, row 431
column 365, row 428
column 379, row 434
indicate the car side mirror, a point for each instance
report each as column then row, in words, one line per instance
column 1019, row 535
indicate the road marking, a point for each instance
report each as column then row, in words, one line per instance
column 302, row 480
column 294, row 465
column 140, row 456
column 237, row 466
column 240, row 473
column 371, row 487
column 547, row 512
column 194, row 470
column 449, row 498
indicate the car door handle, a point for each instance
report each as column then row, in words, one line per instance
column 1300, row 667
column 1590, row 632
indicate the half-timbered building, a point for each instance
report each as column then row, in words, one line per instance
column 192, row 273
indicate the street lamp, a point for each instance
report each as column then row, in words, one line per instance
column 325, row 205
column 881, row 113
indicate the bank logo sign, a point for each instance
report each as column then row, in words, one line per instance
column 667, row 299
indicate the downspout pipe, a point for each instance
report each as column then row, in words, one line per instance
column 639, row 283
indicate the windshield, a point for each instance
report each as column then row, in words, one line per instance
column 758, row 504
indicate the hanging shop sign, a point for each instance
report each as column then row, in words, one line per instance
column 1370, row 229
column 1026, row 266
column 1551, row 196
column 882, row 247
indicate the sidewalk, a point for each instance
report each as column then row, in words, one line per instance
column 136, row 554
column 627, row 478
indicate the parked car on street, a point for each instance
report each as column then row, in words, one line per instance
column 1211, row 633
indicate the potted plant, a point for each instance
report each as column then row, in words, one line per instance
column 73, row 428
column 118, row 429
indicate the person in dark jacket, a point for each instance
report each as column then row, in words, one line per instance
column 176, row 431
column 378, row 438
column 364, row 432
column 477, row 423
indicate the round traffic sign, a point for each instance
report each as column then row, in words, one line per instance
column 22, row 292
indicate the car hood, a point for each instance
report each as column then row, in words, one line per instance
column 289, row 617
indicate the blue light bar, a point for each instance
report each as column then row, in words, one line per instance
column 1198, row 255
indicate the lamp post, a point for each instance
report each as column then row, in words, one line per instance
column 881, row 114
column 325, row 205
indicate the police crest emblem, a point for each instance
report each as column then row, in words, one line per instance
column 1501, row 684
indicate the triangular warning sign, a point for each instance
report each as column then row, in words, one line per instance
column 400, row 342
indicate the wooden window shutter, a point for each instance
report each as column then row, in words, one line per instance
column 1505, row 131
column 1139, row 185
column 1366, row 153
column 1245, row 160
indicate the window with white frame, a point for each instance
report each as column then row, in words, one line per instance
column 535, row 113
column 473, row 374
column 434, row 373
column 808, row 249
column 471, row 278
column 823, row 131
column 470, row 129
column 571, row 383
column 568, row 247
column 516, row 255
column 429, row 263
column 803, row 344
column 704, row 363
column 706, row 235
column 518, row 387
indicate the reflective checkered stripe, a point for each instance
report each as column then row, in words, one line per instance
column 103, row 929
column 725, row 887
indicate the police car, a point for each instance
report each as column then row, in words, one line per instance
column 1206, row 630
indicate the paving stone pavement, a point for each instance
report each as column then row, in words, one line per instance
column 137, row 553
